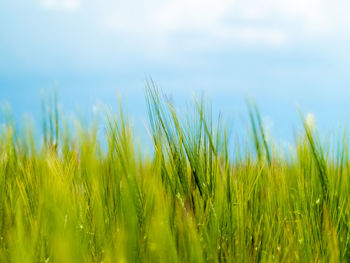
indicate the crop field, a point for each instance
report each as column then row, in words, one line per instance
column 199, row 196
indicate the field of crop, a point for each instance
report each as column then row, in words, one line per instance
column 198, row 197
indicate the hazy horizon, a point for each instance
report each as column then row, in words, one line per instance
column 285, row 55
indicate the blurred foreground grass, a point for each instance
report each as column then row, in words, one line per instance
column 197, row 198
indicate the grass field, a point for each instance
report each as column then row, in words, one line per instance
column 199, row 197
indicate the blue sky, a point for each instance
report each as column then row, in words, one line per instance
column 283, row 53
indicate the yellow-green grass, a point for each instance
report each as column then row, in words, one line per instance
column 196, row 198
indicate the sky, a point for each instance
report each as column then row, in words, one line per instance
column 285, row 54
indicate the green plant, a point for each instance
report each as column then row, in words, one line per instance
column 197, row 198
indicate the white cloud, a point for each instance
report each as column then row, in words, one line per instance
column 61, row 4
column 214, row 23
column 303, row 14
column 208, row 14
column 253, row 35
column 194, row 14
column 210, row 18
column 268, row 22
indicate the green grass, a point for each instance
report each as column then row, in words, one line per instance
column 197, row 198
